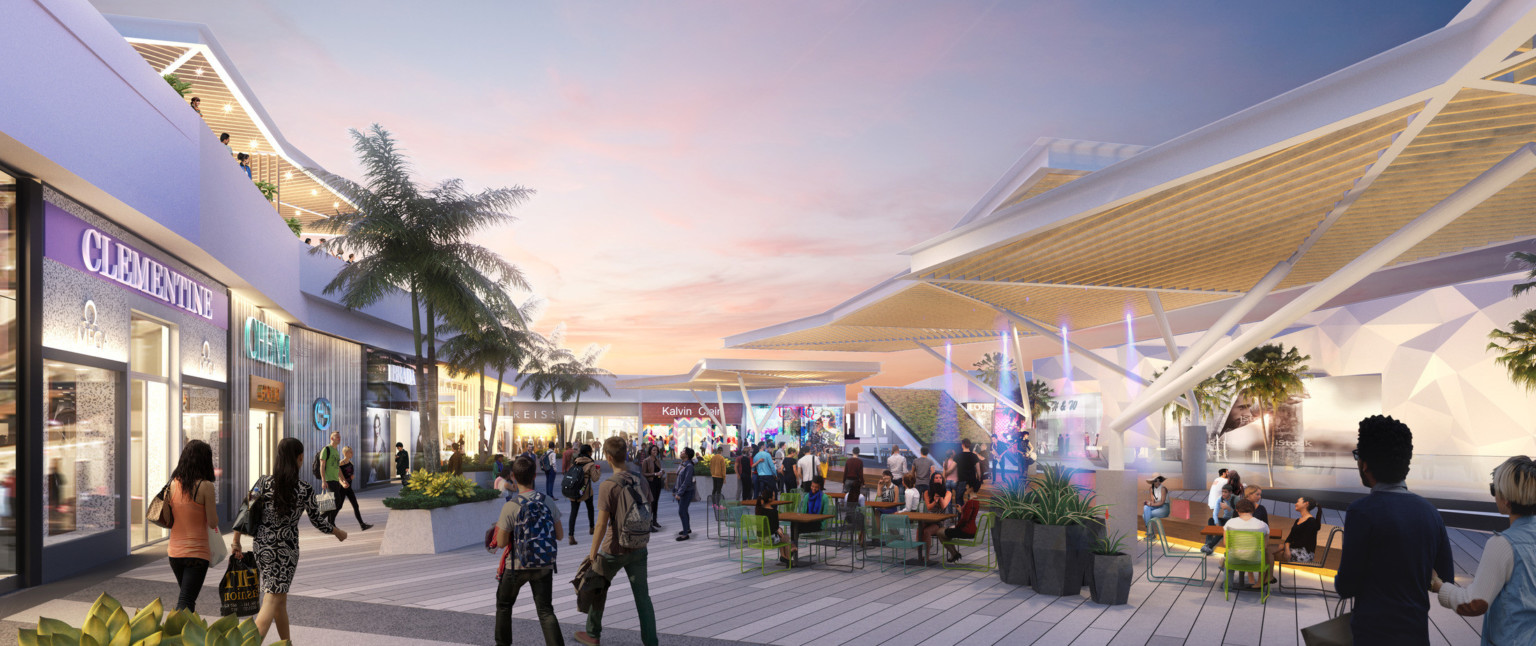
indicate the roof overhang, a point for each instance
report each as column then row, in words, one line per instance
column 755, row 374
column 1314, row 177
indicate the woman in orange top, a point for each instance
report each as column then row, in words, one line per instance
column 193, row 511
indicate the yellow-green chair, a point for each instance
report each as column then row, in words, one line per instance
column 755, row 535
column 1245, row 553
column 982, row 539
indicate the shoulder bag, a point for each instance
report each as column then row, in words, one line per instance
column 1334, row 632
column 249, row 516
column 159, row 511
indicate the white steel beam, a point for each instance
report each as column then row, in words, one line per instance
column 746, row 407
column 180, row 60
column 972, row 378
column 1161, row 317
column 1018, row 366
column 1517, row 165
column 764, row 421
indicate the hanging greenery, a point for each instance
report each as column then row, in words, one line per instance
column 177, row 84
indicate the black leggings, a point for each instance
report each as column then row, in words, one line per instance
column 591, row 516
column 343, row 493
column 656, row 484
column 190, row 573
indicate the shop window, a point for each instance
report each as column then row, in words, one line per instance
column 202, row 418
column 9, row 497
column 79, row 452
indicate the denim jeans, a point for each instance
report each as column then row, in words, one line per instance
column 190, row 573
column 682, row 512
column 542, row 582
column 633, row 565
column 1148, row 513
column 549, row 485
column 764, row 483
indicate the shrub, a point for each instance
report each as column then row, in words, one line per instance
column 107, row 622
column 437, row 490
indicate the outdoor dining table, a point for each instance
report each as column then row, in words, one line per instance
column 798, row 519
column 881, row 504
column 923, row 517
column 1217, row 530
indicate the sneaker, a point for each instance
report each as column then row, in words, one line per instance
column 367, row 526
column 1206, row 550
column 682, row 537
column 583, row 637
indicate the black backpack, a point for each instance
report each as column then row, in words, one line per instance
column 317, row 467
column 575, row 482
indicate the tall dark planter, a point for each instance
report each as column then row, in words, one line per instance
column 1013, row 538
column 1095, row 531
column 1060, row 559
column 1111, row 579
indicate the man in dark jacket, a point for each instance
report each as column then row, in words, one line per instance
column 402, row 462
column 1394, row 541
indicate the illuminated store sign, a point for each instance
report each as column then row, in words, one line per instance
column 75, row 243
column 265, row 344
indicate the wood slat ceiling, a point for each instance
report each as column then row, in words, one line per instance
column 299, row 195
column 1472, row 133
column 1077, row 308
column 1046, row 183
column 754, row 379
column 851, row 338
column 923, row 306
column 1220, row 232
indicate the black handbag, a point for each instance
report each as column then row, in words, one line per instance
column 249, row 516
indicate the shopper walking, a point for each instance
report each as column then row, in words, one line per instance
column 897, row 465
column 609, row 554
column 579, row 479
column 853, row 479
column 283, row 498
column 922, row 470
column 529, row 532
column 763, row 464
column 347, row 473
column 717, row 473
column 547, row 464
column 194, row 512
column 968, row 466
column 1394, row 542
column 650, row 469
column 744, row 474
column 402, row 463
column 683, row 492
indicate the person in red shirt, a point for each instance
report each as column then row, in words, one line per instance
column 965, row 527
column 853, row 478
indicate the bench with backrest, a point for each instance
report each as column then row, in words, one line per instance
column 1187, row 518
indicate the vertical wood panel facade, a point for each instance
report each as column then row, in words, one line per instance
column 329, row 367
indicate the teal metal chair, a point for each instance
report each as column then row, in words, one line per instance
column 896, row 537
column 1245, row 553
column 727, row 518
column 1170, row 552
column 983, row 539
column 843, row 532
column 756, row 536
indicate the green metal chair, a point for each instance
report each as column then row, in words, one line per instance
column 1245, row 553
column 756, row 536
column 1170, row 552
column 896, row 536
column 983, row 539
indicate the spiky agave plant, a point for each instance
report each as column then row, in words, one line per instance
column 108, row 624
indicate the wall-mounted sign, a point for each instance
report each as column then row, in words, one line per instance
column 666, row 413
column 401, row 375
column 89, row 331
column 322, row 414
column 266, row 394
column 265, row 344
column 75, row 243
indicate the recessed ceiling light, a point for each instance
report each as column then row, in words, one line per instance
column 288, row 174
column 199, row 71
column 255, row 144
column 228, row 107
column 335, row 204
column 314, row 192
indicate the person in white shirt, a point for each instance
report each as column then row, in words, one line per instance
column 913, row 501
column 1213, row 500
column 1508, row 598
column 897, row 464
column 1246, row 522
column 779, row 454
column 810, row 467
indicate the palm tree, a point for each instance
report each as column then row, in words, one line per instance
column 992, row 366
column 580, row 374
column 499, row 344
column 542, row 372
column 1517, row 347
column 1270, row 375
column 1040, row 396
column 412, row 238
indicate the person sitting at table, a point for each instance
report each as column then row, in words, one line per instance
column 886, row 490
column 1256, row 494
column 815, row 503
column 914, row 497
column 1246, row 521
column 1301, row 543
column 762, row 508
column 965, row 527
column 936, row 501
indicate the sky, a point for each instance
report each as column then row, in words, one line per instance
column 709, row 168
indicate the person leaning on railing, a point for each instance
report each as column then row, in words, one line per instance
column 1505, row 585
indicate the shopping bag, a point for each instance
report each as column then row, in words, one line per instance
column 240, row 589
column 218, row 550
column 326, row 502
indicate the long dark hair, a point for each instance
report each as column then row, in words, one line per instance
column 285, row 475
column 1235, row 482
column 195, row 465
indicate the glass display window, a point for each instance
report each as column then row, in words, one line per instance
column 79, row 451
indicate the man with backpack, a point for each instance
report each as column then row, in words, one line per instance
column 623, row 530
column 547, row 465
column 529, row 534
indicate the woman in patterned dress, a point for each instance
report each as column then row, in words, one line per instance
column 284, row 497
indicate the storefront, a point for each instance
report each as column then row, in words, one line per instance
column 464, row 411
column 673, row 426
column 800, row 425
column 130, row 336
column 534, row 423
column 390, row 414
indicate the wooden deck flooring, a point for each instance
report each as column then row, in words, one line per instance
column 698, row 592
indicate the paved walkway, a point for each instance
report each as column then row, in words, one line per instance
column 346, row 592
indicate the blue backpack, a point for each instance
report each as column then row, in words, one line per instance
column 533, row 536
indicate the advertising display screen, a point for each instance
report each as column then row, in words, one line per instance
column 801, row 425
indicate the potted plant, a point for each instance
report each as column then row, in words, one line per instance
column 438, row 512
column 1112, row 570
column 1013, row 534
column 1062, row 512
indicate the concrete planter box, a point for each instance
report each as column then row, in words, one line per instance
column 1111, row 584
column 1013, row 539
column 432, row 531
column 482, row 478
